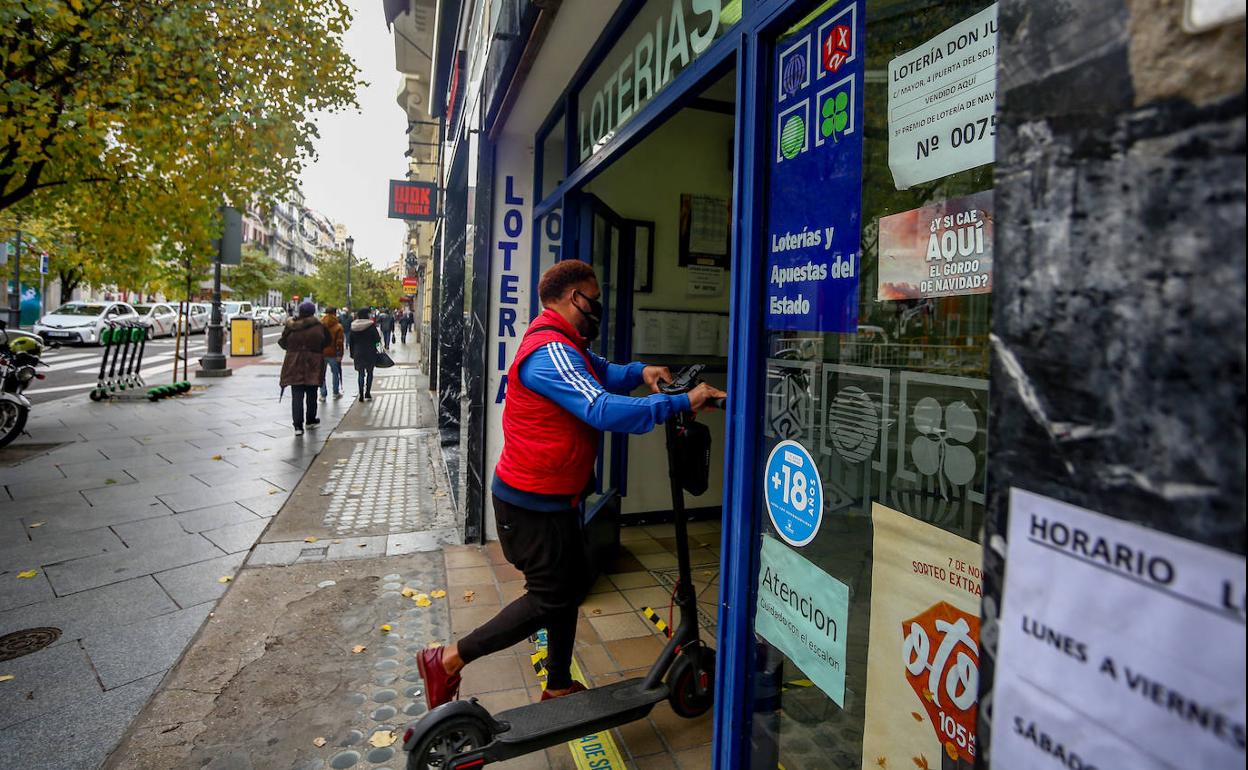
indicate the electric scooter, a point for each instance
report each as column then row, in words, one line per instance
column 462, row 734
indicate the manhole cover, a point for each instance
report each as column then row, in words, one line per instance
column 20, row 643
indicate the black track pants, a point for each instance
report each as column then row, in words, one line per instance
column 549, row 548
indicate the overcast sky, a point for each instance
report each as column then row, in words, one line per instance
column 360, row 151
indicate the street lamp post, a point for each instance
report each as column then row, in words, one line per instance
column 350, row 254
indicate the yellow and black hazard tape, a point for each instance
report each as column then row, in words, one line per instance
column 657, row 621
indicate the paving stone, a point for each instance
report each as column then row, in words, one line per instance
column 415, row 542
column 196, row 498
column 214, row 517
column 357, row 548
column 77, row 452
column 114, row 449
column 88, row 612
column 122, row 493
column 265, row 505
column 54, row 487
column 149, row 532
column 78, row 518
column 80, row 735
column 275, row 554
column 150, row 646
column 54, row 547
column 198, row 583
column 237, row 537
column 15, row 592
column 81, row 574
column 30, row 470
column 105, row 468
column 43, row 681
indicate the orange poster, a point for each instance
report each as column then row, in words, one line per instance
column 923, row 659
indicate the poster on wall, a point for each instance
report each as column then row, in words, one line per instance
column 814, row 205
column 1160, row 686
column 803, row 612
column 704, row 228
column 923, row 654
column 942, row 102
column 941, row 250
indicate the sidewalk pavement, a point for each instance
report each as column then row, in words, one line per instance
column 132, row 516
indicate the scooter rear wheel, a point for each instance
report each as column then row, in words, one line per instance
column 448, row 740
column 691, row 683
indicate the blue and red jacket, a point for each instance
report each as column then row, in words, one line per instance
column 560, row 397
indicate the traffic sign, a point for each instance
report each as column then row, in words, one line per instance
column 43, row 264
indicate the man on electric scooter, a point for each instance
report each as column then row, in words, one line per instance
column 560, row 396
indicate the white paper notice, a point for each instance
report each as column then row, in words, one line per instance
column 675, row 334
column 942, row 101
column 705, row 281
column 648, row 332
column 1120, row 646
column 704, row 335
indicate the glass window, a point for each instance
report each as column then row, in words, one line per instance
column 554, row 149
column 888, row 423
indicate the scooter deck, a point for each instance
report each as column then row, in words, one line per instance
column 572, row 716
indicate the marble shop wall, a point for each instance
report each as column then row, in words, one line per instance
column 1118, row 330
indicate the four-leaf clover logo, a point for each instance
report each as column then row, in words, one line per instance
column 835, row 115
column 940, row 449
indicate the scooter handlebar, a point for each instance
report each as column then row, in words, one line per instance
column 684, row 381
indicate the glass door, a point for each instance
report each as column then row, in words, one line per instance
column 879, row 248
column 605, row 247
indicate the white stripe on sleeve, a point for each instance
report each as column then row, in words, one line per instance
column 588, row 386
column 553, row 349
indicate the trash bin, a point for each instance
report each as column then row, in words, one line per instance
column 246, row 337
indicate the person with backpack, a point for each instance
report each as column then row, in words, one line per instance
column 304, row 339
column 385, row 324
column 333, row 353
column 363, row 343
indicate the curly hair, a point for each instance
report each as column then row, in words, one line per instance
column 556, row 280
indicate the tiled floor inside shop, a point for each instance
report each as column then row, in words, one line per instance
column 614, row 639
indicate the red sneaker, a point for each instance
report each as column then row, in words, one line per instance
column 440, row 687
column 576, row 687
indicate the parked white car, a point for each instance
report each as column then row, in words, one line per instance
column 160, row 319
column 276, row 315
column 230, row 310
column 200, row 313
column 82, row 322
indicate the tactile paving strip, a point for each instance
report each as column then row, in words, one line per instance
column 379, row 486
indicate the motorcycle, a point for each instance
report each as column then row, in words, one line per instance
column 20, row 353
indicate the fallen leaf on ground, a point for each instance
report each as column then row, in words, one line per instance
column 7, row 677
column 469, row 596
column 917, row 716
column 408, row 592
column 433, row 645
column 385, row 629
column 362, row 545
column 335, row 542
column 423, row 601
column 28, row 573
column 274, row 491
column 357, row 649
column 382, row 738
column 36, row 525
column 216, row 457
column 110, row 481
column 224, row 579
column 438, row 594
column 318, row 742
column 310, row 539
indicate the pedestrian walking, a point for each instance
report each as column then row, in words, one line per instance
column 333, row 353
column 405, row 325
column 385, row 324
column 561, row 396
column 303, row 369
column 363, row 342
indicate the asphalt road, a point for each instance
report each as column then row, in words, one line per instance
column 74, row 370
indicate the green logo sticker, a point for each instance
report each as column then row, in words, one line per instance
column 793, row 137
column 835, row 116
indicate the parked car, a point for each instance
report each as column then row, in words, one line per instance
column 82, row 322
column 231, row 310
column 160, row 319
column 277, row 315
column 201, row 313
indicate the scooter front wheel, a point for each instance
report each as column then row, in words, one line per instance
column 691, row 683
column 448, row 740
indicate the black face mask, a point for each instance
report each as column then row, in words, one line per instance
column 593, row 316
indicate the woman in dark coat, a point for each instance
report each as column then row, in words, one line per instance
column 303, row 369
column 363, row 343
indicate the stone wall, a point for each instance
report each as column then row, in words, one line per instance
column 1118, row 344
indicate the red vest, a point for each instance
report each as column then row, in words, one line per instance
column 546, row 449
